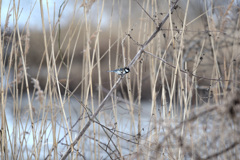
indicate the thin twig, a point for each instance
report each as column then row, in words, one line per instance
column 215, row 155
column 187, row 72
column 146, row 12
column 114, row 130
column 109, row 156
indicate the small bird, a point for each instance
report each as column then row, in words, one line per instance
column 121, row 71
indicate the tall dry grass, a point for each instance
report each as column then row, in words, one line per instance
column 180, row 100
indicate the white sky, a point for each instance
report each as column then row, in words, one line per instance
column 25, row 8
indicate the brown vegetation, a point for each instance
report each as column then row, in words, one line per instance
column 180, row 99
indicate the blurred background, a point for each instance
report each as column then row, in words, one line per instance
column 102, row 27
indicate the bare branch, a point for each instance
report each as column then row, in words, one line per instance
column 117, row 83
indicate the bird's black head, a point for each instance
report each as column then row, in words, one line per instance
column 127, row 70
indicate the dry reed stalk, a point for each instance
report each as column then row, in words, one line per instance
column 4, row 148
